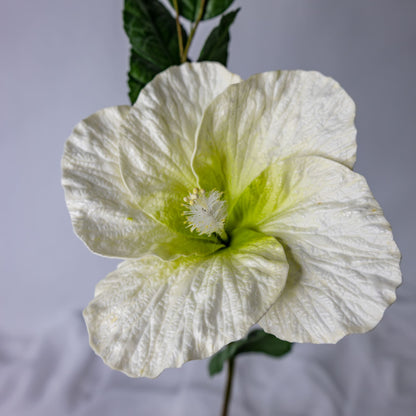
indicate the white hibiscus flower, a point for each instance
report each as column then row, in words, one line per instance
column 233, row 203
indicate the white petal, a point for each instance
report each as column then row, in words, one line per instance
column 159, row 135
column 103, row 212
column 149, row 315
column 268, row 117
column 344, row 264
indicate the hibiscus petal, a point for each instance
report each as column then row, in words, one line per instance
column 149, row 315
column 158, row 137
column 102, row 209
column 268, row 117
column 344, row 264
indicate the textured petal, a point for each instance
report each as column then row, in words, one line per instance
column 149, row 315
column 268, row 117
column 344, row 264
column 103, row 211
column 158, row 138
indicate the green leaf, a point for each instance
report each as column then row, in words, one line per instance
column 190, row 8
column 151, row 30
column 216, row 45
column 256, row 341
column 134, row 88
column 141, row 72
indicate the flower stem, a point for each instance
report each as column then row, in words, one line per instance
column 227, row 394
column 178, row 29
column 193, row 30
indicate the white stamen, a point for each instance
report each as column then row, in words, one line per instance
column 206, row 212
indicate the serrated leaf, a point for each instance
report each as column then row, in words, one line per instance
column 151, row 30
column 256, row 341
column 216, row 45
column 190, row 8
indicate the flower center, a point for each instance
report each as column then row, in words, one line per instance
column 206, row 212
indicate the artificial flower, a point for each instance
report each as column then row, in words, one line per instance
column 232, row 203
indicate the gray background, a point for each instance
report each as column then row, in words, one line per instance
column 63, row 60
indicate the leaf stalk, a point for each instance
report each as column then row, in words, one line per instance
column 178, row 29
column 193, row 30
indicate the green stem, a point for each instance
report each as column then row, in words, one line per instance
column 193, row 30
column 227, row 395
column 178, row 29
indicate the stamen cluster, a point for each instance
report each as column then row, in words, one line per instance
column 206, row 212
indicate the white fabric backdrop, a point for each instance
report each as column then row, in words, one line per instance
column 60, row 62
